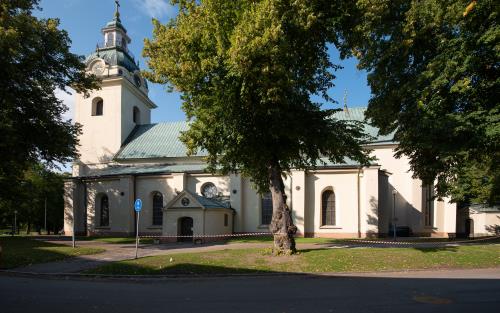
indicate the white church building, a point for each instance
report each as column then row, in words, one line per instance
column 123, row 157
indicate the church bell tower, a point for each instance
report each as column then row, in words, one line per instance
column 110, row 114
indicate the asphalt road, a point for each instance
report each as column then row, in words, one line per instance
column 252, row 294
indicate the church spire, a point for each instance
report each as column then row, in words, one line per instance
column 117, row 11
column 115, row 34
column 346, row 109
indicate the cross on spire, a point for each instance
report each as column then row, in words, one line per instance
column 346, row 109
column 117, row 11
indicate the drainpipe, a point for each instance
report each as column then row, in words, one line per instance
column 204, row 210
column 359, row 202
column 85, row 208
column 233, row 218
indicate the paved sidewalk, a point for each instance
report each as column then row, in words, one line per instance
column 480, row 273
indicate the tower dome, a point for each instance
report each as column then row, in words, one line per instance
column 112, row 57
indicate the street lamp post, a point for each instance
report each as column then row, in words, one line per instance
column 15, row 222
column 45, row 222
column 394, row 193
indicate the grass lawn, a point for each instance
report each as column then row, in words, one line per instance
column 21, row 251
column 309, row 261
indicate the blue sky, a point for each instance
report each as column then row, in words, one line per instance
column 83, row 19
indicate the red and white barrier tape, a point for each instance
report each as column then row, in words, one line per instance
column 345, row 240
column 210, row 236
column 418, row 242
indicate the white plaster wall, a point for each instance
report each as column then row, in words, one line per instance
column 171, row 217
column 298, row 200
column 408, row 198
column 74, row 210
column 369, row 201
column 101, row 135
column 344, row 185
column 236, row 199
column 145, row 188
column 486, row 223
column 131, row 98
column 251, row 208
column 384, row 203
column 196, row 181
column 409, row 205
column 214, row 221
column 119, row 215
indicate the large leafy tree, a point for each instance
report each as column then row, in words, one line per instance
column 434, row 73
column 247, row 70
column 35, row 60
column 41, row 193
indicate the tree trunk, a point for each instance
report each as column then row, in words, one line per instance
column 282, row 226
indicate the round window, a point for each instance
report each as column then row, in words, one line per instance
column 185, row 201
column 209, row 190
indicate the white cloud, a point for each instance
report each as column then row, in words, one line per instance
column 68, row 100
column 155, row 8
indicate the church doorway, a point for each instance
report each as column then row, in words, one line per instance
column 185, row 227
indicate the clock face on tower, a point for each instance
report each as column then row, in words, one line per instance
column 98, row 68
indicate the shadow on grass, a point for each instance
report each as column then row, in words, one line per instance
column 436, row 249
column 184, row 269
column 23, row 251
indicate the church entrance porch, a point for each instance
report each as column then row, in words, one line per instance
column 185, row 229
column 190, row 217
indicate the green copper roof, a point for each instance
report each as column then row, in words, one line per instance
column 154, row 141
column 209, row 203
column 114, row 56
column 115, row 24
column 358, row 114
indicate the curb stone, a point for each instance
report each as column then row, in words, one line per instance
column 157, row 278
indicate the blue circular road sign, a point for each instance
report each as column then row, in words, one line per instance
column 138, row 205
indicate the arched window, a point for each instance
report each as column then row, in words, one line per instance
column 111, row 40
column 97, row 106
column 266, row 209
column 328, row 208
column 136, row 115
column 104, row 211
column 157, row 208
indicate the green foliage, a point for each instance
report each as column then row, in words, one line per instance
column 247, row 70
column 38, row 186
column 35, row 60
column 434, row 73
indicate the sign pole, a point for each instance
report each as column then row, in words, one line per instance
column 137, row 234
column 137, row 208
